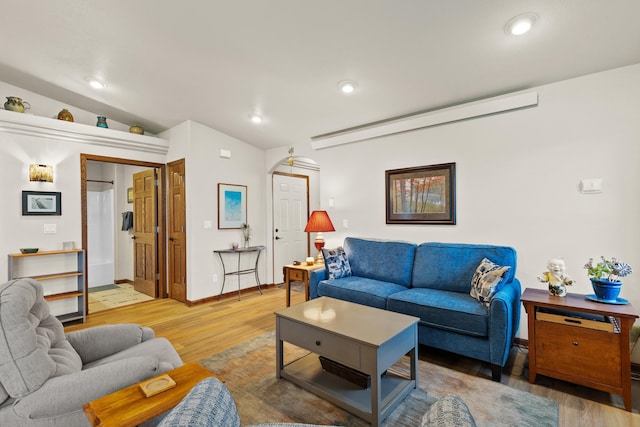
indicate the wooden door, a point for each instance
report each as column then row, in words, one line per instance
column 290, row 215
column 145, row 232
column 177, row 236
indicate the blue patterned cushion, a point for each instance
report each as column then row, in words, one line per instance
column 336, row 263
column 487, row 280
column 209, row 403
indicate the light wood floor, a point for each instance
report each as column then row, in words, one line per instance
column 199, row 331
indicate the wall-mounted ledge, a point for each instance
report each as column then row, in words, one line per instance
column 457, row 113
column 44, row 127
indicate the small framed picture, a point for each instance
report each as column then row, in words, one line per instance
column 421, row 195
column 41, row 203
column 232, row 206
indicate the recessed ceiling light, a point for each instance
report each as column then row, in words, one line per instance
column 255, row 118
column 95, row 83
column 347, row 86
column 521, row 24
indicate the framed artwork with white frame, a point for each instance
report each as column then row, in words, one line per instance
column 232, row 206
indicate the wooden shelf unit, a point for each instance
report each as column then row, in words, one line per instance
column 79, row 293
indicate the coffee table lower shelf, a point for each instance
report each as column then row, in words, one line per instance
column 307, row 372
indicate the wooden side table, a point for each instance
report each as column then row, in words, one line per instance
column 565, row 344
column 299, row 273
column 130, row 407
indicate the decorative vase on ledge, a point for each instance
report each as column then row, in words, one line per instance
column 605, row 289
column 102, row 122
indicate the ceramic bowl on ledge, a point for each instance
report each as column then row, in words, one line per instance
column 28, row 250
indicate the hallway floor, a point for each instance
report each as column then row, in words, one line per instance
column 112, row 296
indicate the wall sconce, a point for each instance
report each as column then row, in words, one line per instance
column 40, row 173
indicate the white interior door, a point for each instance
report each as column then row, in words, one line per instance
column 290, row 214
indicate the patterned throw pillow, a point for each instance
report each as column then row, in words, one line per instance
column 336, row 263
column 487, row 281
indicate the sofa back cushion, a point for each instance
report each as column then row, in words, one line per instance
column 451, row 266
column 33, row 346
column 384, row 260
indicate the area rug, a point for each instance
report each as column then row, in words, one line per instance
column 248, row 370
column 112, row 296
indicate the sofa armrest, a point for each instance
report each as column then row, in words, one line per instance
column 68, row 393
column 314, row 278
column 504, row 319
column 101, row 341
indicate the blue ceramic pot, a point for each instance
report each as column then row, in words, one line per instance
column 606, row 290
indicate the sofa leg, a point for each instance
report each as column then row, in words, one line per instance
column 496, row 372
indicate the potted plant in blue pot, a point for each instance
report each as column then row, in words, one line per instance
column 605, row 277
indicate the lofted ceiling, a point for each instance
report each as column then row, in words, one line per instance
column 216, row 62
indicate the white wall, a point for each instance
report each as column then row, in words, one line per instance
column 205, row 169
column 517, row 179
column 517, row 182
column 18, row 150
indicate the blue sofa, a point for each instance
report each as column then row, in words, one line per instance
column 432, row 281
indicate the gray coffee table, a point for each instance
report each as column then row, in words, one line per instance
column 366, row 339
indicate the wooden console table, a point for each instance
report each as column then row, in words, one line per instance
column 239, row 271
column 299, row 273
column 578, row 350
column 129, row 407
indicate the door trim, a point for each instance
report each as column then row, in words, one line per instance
column 161, row 258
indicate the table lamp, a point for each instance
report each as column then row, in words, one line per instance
column 319, row 222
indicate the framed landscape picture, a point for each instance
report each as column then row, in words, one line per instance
column 232, row 206
column 41, row 203
column 421, row 195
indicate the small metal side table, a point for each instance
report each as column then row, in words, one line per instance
column 250, row 251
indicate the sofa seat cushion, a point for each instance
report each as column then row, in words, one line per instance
column 453, row 311
column 360, row 290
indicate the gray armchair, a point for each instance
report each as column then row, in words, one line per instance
column 46, row 375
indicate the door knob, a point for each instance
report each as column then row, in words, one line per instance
column 172, row 239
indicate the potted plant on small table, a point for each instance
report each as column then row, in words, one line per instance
column 605, row 276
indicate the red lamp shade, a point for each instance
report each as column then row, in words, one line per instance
column 319, row 222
